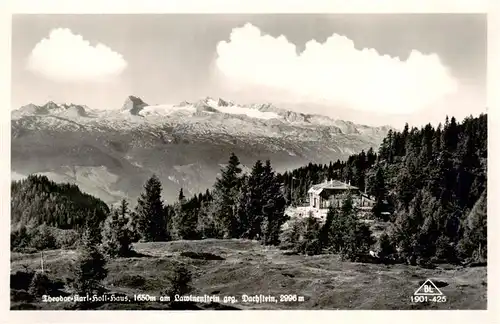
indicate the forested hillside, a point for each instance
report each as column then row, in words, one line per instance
column 434, row 179
column 36, row 200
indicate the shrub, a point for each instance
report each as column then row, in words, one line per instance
column 19, row 238
column 20, row 296
column 42, row 238
column 66, row 239
column 21, row 280
column 385, row 246
column 291, row 232
column 40, row 285
column 179, row 281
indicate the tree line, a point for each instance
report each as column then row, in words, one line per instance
column 238, row 206
column 431, row 180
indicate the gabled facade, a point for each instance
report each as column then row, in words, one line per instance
column 334, row 192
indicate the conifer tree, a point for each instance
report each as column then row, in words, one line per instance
column 255, row 204
column 152, row 224
column 325, row 234
column 185, row 220
column 90, row 267
column 274, row 206
column 379, row 191
column 308, row 242
column 473, row 245
column 226, row 191
column 244, row 209
column 355, row 238
column 91, row 233
column 181, row 195
column 117, row 236
column 206, row 227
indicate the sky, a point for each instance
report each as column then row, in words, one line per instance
column 374, row 69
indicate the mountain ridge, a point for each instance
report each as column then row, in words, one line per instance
column 184, row 144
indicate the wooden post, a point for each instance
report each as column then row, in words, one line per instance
column 41, row 260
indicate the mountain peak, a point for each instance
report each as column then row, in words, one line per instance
column 50, row 105
column 224, row 103
column 53, row 108
column 134, row 105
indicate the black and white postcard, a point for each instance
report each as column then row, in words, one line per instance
column 248, row 161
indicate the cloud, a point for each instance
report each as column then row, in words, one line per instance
column 66, row 57
column 333, row 72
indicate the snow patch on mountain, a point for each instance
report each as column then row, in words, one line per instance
column 252, row 113
column 165, row 110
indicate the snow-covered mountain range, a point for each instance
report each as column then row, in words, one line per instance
column 110, row 153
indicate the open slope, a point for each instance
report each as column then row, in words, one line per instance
column 246, row 267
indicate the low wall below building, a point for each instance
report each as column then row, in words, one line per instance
column 305, row 211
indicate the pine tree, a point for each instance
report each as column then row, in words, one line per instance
column 308, row 242
column 356, row 237
column 117, row 236
column 206, row 227
column 359, row 239
column 325, row 234
column 255, row 203
column 379, row 191
column 274, row 206
column 184, row 220
column 226, row 191
column 473, row 245
column 405, row 187
column 181, row 195
column 152, row 224
column 244, row 209
column 90, row 267
column 408, row 228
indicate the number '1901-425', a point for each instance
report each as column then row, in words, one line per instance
column 423, row 299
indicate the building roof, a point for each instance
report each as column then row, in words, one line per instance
column 332, row 184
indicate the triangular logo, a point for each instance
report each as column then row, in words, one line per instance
column 428, row 288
